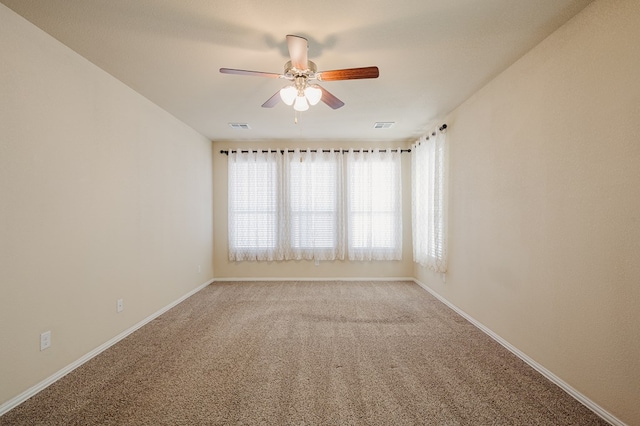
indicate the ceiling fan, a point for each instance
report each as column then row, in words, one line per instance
column 302, row 72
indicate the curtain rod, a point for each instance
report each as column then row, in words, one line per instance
column 281, row 151
column 441, row 128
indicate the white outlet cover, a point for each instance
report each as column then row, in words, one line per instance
column 45, row 340
column 120, row 305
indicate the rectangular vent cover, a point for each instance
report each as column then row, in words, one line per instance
column 383, row 124
column 239, row 126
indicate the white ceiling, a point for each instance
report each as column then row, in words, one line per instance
column 432, row 55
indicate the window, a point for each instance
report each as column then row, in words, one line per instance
column 253, row 206
column 428, row 202
column 291, row 205
column 314, row 217
column 374, row 205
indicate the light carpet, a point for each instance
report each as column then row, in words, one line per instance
column 305, row 353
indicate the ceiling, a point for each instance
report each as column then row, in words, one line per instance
column 432, row 55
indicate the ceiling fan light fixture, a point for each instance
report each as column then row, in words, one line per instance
column 313, row 94
column 301, row 104
column 288, row 94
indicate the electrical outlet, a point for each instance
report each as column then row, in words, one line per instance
column 45, row 340
column 119, row 305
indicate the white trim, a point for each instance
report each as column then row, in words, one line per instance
column 539, row 368
column 14, row 402
column 311, row 279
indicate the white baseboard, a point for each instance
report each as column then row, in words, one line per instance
column 14, row 402
column 253, row 279
column 548, row 374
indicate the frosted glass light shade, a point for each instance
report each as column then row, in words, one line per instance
column 313, row 94
column 288, row 94
column 301, row 104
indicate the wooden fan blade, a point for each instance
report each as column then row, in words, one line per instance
column 272, row 101
column 298, row 47
column 330, row 100
column 253, row 73
column 348, row 74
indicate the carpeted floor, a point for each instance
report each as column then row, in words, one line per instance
column 305, row 353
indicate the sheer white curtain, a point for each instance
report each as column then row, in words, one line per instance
column 374, row 205
column 284, row 207
column 314, row 214
column 429, row 201
column 255, row 202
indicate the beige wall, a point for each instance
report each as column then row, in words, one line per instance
column 545, row 206
column 303, row 269
column 103, row 195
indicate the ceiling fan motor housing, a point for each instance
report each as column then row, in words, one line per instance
column 292, row 72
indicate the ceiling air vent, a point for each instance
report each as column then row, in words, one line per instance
column 239, row 126
column 383, row 124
